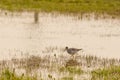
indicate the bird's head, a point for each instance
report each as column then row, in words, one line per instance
column 66, row 48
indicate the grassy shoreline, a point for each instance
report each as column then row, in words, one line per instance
column 43, row 68
column 110, row 7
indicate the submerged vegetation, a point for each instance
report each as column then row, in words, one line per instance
column 111, row 7
column 59, row 67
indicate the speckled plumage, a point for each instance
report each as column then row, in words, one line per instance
column 72, row 51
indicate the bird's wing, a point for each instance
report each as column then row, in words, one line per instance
column 75, row 49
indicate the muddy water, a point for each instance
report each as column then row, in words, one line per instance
column 19, row 35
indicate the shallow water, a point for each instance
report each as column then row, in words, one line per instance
column 19, row 35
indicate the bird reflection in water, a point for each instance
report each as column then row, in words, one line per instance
column 72, row 62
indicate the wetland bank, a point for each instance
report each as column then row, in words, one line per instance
column 34, row 34
column 35, row 51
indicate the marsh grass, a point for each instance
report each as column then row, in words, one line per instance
column 72, row 62
column 111, row 7
column 67, row 78
column 7, row 74
column 49, row 67
column 71, row 70
column 110, row 73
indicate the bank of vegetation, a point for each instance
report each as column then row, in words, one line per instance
column 111, row 7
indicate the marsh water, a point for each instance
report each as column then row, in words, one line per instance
column 19, row 35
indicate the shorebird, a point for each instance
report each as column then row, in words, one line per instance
column 72, row 51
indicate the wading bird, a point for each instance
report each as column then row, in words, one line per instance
column 72, row 51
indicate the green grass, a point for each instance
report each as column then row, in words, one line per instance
column 111, row 7
column 67, row 78
column 11, row 75
column 71, row 70
column 111, row 73
column 108, row 69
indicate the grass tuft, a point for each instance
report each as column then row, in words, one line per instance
column 71, row 70
column 111, row 73
column 11, row 75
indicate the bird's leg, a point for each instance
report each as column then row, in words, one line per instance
column 73, row 57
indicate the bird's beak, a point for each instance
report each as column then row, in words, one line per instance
column 82, row 50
